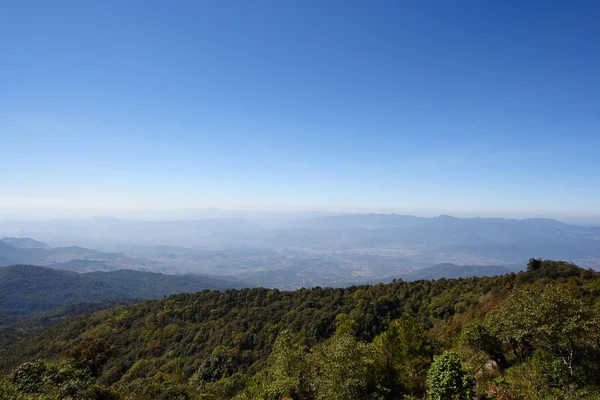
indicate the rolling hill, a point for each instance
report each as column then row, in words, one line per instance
column 30, row 251
column 25, row 289
column 25, row 243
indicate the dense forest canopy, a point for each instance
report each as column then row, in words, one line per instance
column 531, row 335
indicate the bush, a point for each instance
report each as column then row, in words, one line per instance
column 448, row 380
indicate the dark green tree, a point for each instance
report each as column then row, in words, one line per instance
column 534, row 264
column 216, row 366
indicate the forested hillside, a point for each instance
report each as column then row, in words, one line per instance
column 26, row 289
column 531, row 335
column 13, row 329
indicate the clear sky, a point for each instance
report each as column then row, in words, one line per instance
column 461, row 107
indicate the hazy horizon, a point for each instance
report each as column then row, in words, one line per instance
column 98, row 207
column 199, row 212
column 292, row 249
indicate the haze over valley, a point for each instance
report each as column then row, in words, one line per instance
column 293, row 251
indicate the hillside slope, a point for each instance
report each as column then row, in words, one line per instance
column 25, row 289
column 222, row 343
column 30, row 251
column 19, row 329
column 25, row 243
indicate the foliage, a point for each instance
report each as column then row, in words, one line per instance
column 285, row 374
column 90, row 355
column 478, row 336
column 62, row 379
column 447, row 380
column 341, row 368
column 551, row 319
column 402, row 356
column 534, row 264
column 218, row 365
column 536, row 331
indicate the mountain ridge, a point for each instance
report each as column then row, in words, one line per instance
column 25, row 289
column 25, row 243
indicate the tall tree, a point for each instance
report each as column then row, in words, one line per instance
column 402, row 356
column 341, row 368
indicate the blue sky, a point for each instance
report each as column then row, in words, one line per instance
column 466, row 107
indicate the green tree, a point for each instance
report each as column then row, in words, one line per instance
column 341, row 369
column 218, row 365
column 143, row 368
column 478, row 336
column 402, row 356
column 285, row 374
column 51, row 380
column 29, row 376
column 447, row 380
column 534, row 264
column 549, row 318
column 91, row 354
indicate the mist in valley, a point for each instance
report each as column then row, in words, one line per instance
column 293, row 250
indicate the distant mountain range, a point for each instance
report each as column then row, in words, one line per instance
column 514, row 240
column 510, row 238
column 492, row 237
column 450, row 271
column 295, row 251
column 30, row 251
